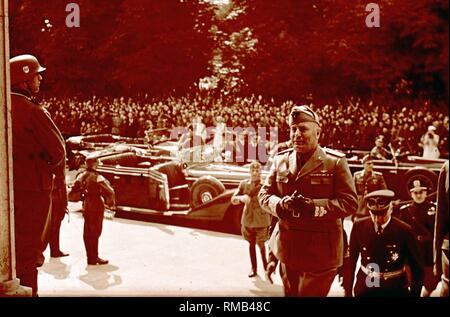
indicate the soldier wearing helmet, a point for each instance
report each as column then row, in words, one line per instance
column 38, row 165
column 26, row 73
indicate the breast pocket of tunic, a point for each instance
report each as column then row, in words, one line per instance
column 393, row 254
column 322, row 186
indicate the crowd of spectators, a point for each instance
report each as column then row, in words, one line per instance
column 345, row 125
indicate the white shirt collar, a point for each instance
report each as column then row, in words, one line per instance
column 384, row 225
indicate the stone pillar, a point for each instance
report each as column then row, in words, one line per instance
column 9, row 283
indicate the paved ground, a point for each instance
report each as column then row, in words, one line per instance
column 156, row 259
column 153, row 259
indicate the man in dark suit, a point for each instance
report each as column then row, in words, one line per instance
column 386, row 245
column 38, row 164
column 310, row 192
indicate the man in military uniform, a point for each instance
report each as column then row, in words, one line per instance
column 255, row 221
column 379, row 152
column 386, row 246
column 59, row 210
column 367, row 181
column 420, row 215
column 441, row 231
column 38, row 165
column 310, row 192
column 95, row 191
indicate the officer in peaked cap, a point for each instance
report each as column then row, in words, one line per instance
column 38, row 164
column 421, row 215
column 309, row 191
column 386, row 246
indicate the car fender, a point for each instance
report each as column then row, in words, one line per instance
column 205, row 189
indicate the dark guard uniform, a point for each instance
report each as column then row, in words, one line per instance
column 314, row 243
column 421, row 218
column 59, row 210
column 38, row 165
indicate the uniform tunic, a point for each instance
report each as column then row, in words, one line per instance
column 390, row 251
column 421, row 218
column 96, row 190
column 310, row 243
column 366, row 183
column 255, row 220
column 38, row 166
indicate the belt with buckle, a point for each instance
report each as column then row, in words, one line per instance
column 383, row 275
column 295, row 214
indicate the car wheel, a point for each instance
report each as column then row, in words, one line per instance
column 204, row 189
column 426, row 177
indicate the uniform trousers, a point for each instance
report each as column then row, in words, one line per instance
column 93, row 223
column 306, row 284
column 31, row 209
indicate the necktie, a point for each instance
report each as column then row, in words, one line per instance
column 379, row 230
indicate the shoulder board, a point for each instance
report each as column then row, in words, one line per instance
column 357, row 173
column 334, row 153
column 21, row 95
column 377, row 173
column 285, row 151
column 405, row 206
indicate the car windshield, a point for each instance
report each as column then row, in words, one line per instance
column 200, row 154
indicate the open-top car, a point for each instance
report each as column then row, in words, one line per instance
column 197, row 184
column 163, row 180
column 400, row 170
column 157, row 143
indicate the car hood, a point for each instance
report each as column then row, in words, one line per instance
column 221, row 170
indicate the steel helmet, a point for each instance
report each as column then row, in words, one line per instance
column 23, row 68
